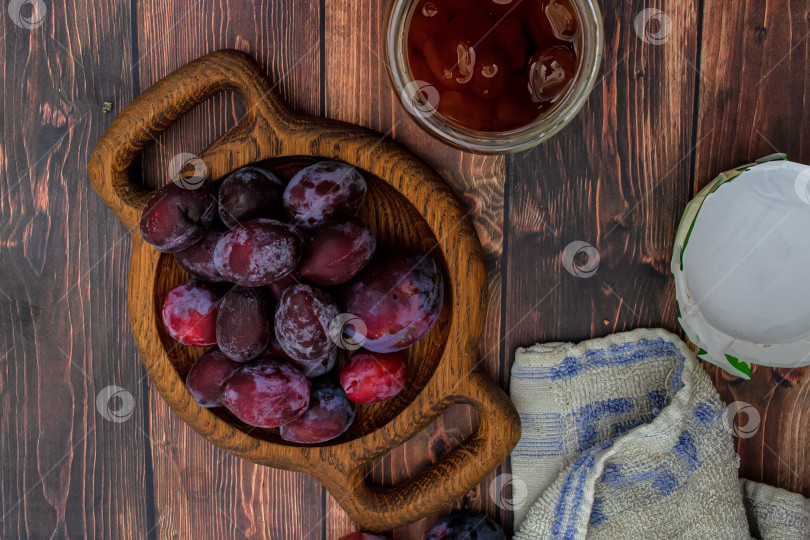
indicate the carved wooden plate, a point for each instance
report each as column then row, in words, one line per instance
column 408, row 204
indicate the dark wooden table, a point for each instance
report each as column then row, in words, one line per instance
column 728, row 85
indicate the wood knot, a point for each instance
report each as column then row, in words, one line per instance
column 439, row 446
column 658, row 262
column 760, row 34
column 789, row 376
column 471, row 203
column 197, row 483
column 623, row 221
column 52, row 116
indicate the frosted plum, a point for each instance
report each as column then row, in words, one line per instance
column 317, row 367
column 190, row 312
column 274, row 350
column 337, row 251
column 374, row 377
column 249, row 193
column 324, row 190
column 278, row 287
column 330, row 413
column 266, row 393
column 310, row 368
column 176, row 218
column 258, row 252
column 302, row 322
column 399, row 298
column 245, row 323
column 198, row 259
column 207, row 376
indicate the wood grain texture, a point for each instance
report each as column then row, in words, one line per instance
column 235, row 498
column 618, row 178
column 745, row 113
column 63, row 336
column 402, row 189
column 357, row 89
column 613, row 179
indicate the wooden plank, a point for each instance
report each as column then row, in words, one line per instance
column 200, row 491
column 64, row 334
column 358, row 91
column 747, row 112
column 616, row 179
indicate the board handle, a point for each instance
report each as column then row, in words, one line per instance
column 380, row 508
column 164, row 103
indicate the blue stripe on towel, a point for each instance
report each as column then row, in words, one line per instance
column 598, row 515
column 588, row 417
column 706, row 414
column 688, row 451
column 564, row 514
column 616, row 476
column 542, row 435
column 615, row 355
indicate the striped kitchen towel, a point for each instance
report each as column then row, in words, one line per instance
column 623, row 437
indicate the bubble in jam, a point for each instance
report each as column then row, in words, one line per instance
column 497, row 64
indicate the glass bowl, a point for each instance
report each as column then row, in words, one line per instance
column 420, row 98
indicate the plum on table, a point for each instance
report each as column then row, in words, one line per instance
column 310, row 368
column 336, row 251
column 266, row 393
column 198, row 260
column 317, row 367
column 277, row 287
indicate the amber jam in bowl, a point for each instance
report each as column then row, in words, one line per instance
column 494, row 76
